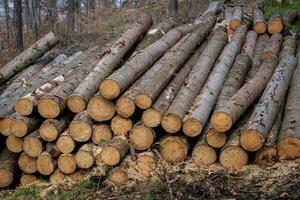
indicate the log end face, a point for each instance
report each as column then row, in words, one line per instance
column 77, row 176
column 141, row 137
column 203, row 155
column 27, row 179
column 49, row 108
column 45, row 165
column 66, row 163
column 84, row 159
column 109, row 89
column 221, row 121
column 143, row 101
column 151, row 118
column 251, row 140
column 14, row 144
column 100, row 109
column 216, row 139
column 18, row 128
column 173, row 149
column 192, row 127
column 56, row 177
column 275, row 26
column 76, row 104
column 266, row 156
column 118, row 176
column 289, row 148
column 260, row 27
column 110, row 156
column 80, row 130
column 101, row 132
column 125, row 107
column 48, row 132
column 32, row 146
column 24, row 107
column 171, row 123
column 5, row 125
column 146, row 164
column 6, row 178
column 234, row 23
column 65, row 144
column 27, row 164
column 121, row 126
column 233, row 157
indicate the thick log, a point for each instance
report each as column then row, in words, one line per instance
column 172, row 120
column 5, row 124
column 120, row 125
column 80, row 128
column 66, row 163
column 237, row 16
column 264, row 114
column 213, row 8
column 198, row 115
column 259, row 22
column 56, row 177
column 27, row 179
column 100, row 109
column 118, row 176
column 27, row 164
column 45, row 163
column 244, row 97
column 8, row 165
column 14, row 144
column 27, row 57
column 273, row 46
column 141, row 137
column 249, row 44
column 101, row 132
column 152, row 116
column 145, row 90
column 33, row 144
column 84, row 156
column 23, row 125
column 288, row 47
column 275, row 24
column 85, row 90
column 65, row 143
column 290, row 17
column 146, row 163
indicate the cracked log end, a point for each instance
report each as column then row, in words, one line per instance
column 56, row 177
column 120, row 125
column 6, row 178
column 118, row 176
column 32, row 146
column 27, row 179
column 216, row 139
column 289, row 148
column 66, row 163
column 192, row 127
column 110, row 156
column 5, row 126
column 275, row 26
column 151, row 118
column 48, row 132
column 49, row 108
column 109, row 89
column 100, row 109
column 141, row 137
column 24, row 106
column 101, row 132
column 221, row 121
column 146, row 163
column 233, row 157
column 143, row 101
column 171, row 123
column 251, row 140
column 260, row 27
column 266, row 156
column 65, row 144
column 173, row 149
column 76, row 103
column 18, row 128
column 84, row 159
column 14, row 144
column 234, row 23
column 45, row 164
column 80, row 130
column 27, row 164
column 125, row 107
column 204, row 155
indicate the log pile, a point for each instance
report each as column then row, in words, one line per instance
column 191, row 88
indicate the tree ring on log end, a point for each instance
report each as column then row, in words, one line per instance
column 84, row 159
column 171, row 123
column 192, row 127
column 76, row 103
column 100, row 109
column 14, row 144
column 5, row 126
column 173, row 149
column 120, row 125
column 118, row 176
column 49, row 108
column 141, row 137
column 45, row 165
column 65, row 144
column 221, row 121
column 289, row 148
column 251, row 140
column 109, row 89
column 234, row 23
column 204, row 155
column 6, row 178
column 260, row 27
column 125, row 107
column 151, row 118
column 24, row 106
column 233, row 157
column 27, row 164
column 19, row 128
column 32, row 146
column 266, row 156
column 215, row 138
column 48, row 132
column 143, row 101
column 275, row 26
column 67, row 163
column 110, row 156
column 80, row 130
column 146, row 164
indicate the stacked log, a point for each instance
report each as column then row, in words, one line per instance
column 259, row 22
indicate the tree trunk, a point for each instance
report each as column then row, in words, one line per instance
column 7, row 20
column 8, row 167
column 237, row 16
column 34, row 25
column 80, row 129
column 273, row 46
column 66, row 163
column 27, row 164
column 275, row 24
column 33, row 144
column 83, row 93
column 23, row 125
column 174, row 8
column 71, row 18
column 14, row 144
column 259, row 22
column 27, row 57
column 52, row 13
column 264, row 114
column 118, row 176
column 199, row 112
column 18, row 32
column 172, row 120
column 120, row 126
column 250, row 44
column 65, row 143
column 101, row 133
column 141, row 137
column 193, row 9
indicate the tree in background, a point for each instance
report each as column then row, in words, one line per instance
column 7, row 19
column 18, row 25
column 174, row 8
column 71, row 17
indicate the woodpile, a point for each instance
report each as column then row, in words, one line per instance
column 190, row 88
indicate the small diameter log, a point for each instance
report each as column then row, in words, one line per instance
column 28, row 56
column 118, row 176
column 78, row 176
column 174, row 149
column 264, row 114
column 5, row 124
column 288, row 47
column 14, row 144
column 273, row 46
column 51, row 128
column 8, row 165
column 45, row 163
column 172, row 120
column 66, row 163
column 249, row 44
column 214, row 138
column 237, row 16
column 84, row 157
column 100, row 109
column 290, row 17
column 57, row 177
column 152, row 116
column 141, row 137
column 101, row 132
column 27, row 179
column 33, row 144
column 83, row 93
column 23, row 125
column 120, row 126
column 259, row 22
column 115, row 151
column 225, row 117
column 198, row 115
column 146, row 163
column 27, row 164
column 65, row 143
column 275, row 24
column 80, row 129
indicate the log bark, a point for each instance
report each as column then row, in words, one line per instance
column 172, row 120
column 273, row 46
column 66, row 163
column 8, row 166
column 237, row 16
column 244, row 97
column 27, row 164
column 33, row 145
column 100, row 109
column 80, row 129
column 14, row 144
column 264, row 114
column 101, row 132
column 46, row 164
column 27, row 179
column 23, row 125
column 120, row 125
column 275, row 24
column 144, row 91
column 259, row 22
column 290, row 17
column 141, row 137
column 85, row 90
column 152, row 116
column 198, row 115
column 65, row 143
column 288, row 47
column 249, row 44
column 27, row 57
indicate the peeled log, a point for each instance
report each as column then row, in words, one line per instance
column 275, row 24
column 66, row 163
column 85, row 90
column 27, row 164
column 80, row 128
column 45, row 163
column 152, row 116
column 120, row 126
column 172, row 120
column 33, row 144
column 273, row 46
column 65, row 143
column 27, row 179
column 199, row 112
column 249, row 44
column 101, row 132
column 141, row 137
column 259, row 22
column 237, row 16
column 23, row 125
column 100, row 109
column 244, row 97
column 14, row 144
column 28, row 56
column 8, row 165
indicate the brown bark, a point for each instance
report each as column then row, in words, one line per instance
column 101, row 132
column 23, row 125
column 273, row 46
column 275, row 24
column 33, row 145
column 120, row 126
column 237, row 16
column 80, row 129
column 45, row 163
column 14, row 144
column 199, row 112
column 249, row 44
column 27, row 164
column 27, row 179
column 259, row 22
column 100, row 109
column 8, row 165
column 141, row 137
column 66, row 163
column 65, row 143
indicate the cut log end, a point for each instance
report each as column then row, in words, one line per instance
column 14, row 144
column 192, row 127
column 275, row 26
column 146, row 164
column 65, row 144
column 110, row 156
column 141, row 137
column 80, row 130
column 266, row 156
column 234, row 23
column 215, row 139
column 84, row 159
column 173, row 149
column 151, row 118
column 233, row 157
column 289, row 148
column 171, row 123
column 143, row 101
column 49, row 108
column 260, row 27
column 76, row 104
column 204, row 155
column 48, row 132
column 32, row 146
column 67, row 163
column 5, row 125
column 18, row 128
column 77, row 176
column 45, row 164
column 251, row 140
column 57, row 177
column 100, row 109
column 221, row 121
column 101, row 133
column 125, row 107
column 7, row 178
column 24, row 106
column 118, row 176
column 110, row 89
column 27, row 164
column 120, row 125
column 27, row 179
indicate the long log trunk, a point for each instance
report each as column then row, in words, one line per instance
column 147, row 88
column 66, row 163
column 23, row 125
column 259, row 22
column 65, row 143
column 80, row 129
column 249, row 44
column 237, row 16
column 264, row 114
column 14, row 144
column 27, row 164
column 27, row 57
column 8, row 166
column 85, row 90
column 275, row 24
column 273, row 46
column 198, row 115
column 101, row 133
column 33, row 145
column 172, row 120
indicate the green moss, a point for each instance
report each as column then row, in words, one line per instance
column 30, row 192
